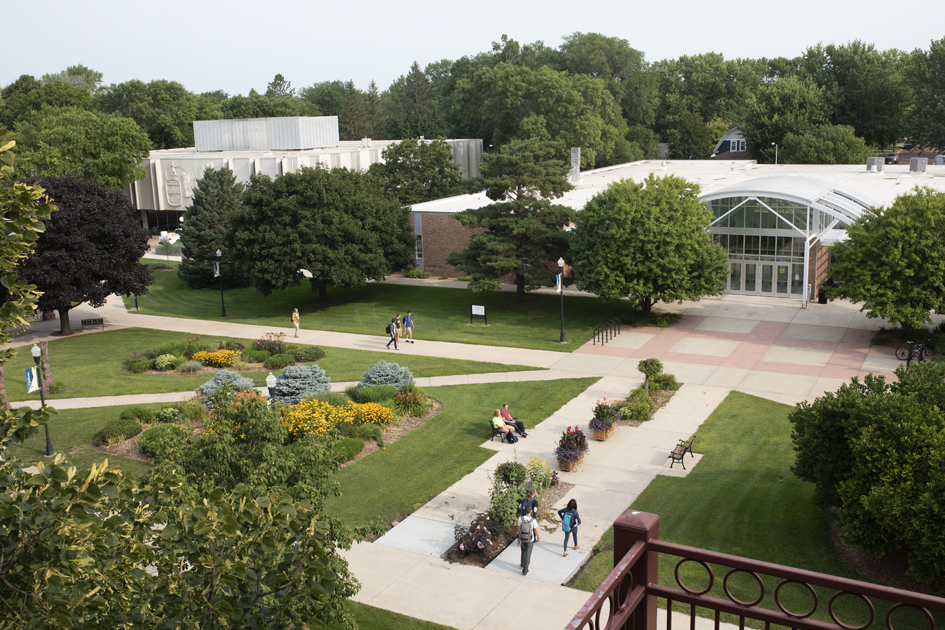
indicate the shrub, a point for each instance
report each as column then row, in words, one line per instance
column 156, row 441
column 362, row 432
column 139, row 413
column 384, row 373
column 640, row 407
column 665, row 382
column 57, row 387
column 176, row 348
column 506, row 497
column 157, row 266
column 539, row 474
column 121, row 429
column 407, row 404
column 372, row 393
column 314, row 417
column 140, row 364
column 166, row 415
column 416, row 273
column 307, row 354
column 279, row 361
column 210, row 388
column 299, row 382
column 232, row 345
column 464, row 278
column 348, row 448
column 255, row 356
column 216, row 358
column 194, row 346
column 511, row 473
column 479, row 536
column 413, row 388
column 190, row 366
column 650, row 368
column 192, row 410
column 164, row 362
column 333, row 398
column 148, row 354
column 273, row 343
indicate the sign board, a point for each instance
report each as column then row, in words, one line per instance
column 32, row 383
column 216, row 270
column 476, row 310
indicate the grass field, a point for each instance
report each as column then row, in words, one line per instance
column 371, row 618
column 439, row 314
column 420, row 465
column 741, row 499
column 91, row 365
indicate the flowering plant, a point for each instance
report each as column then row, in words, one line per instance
column 273, row 343
column 479, row 536
column 604, row 416
column 572, row 446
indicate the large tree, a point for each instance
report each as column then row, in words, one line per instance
column 217, row 197
column 77, row 76
column 893, row 260
column 648, row 242
column 788, row 106
column 58, row 141
column 90, row 248
column 339, row 225
column 925, row 74
column 24, row 97
column 415, row 171
column 824, row 144
column 524, row 231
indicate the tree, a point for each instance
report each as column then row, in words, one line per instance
column 77, row 76
column 788, row 105
column 90, row 248
column 893, row 260
column 329, row 97
column 258, row 106
column 106, row 148
column 824, row 144
column 279, row 88
column 925, row 74
column 374, row 113
column 415, row 171
column 411, row 109
column 339, row 225
column 217, row 197
column 524, row 233
column 875, row 452
column 25, row 98
column 648, row 242
column 354, row 122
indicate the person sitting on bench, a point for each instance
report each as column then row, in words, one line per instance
column 512, row 422
column 499, row 424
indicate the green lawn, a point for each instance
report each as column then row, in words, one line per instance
column 91, row 365
column 420, row 465
column 741, row 499
column 439, row 314
column 371, row 618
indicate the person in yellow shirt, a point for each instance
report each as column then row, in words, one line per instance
column 295, row 321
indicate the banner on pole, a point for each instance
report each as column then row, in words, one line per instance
column 32, row 383
column 216, row 270
column 558, row 283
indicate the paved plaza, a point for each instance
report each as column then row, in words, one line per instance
column 767, row 347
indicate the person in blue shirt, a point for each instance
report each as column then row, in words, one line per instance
column 570, row 520
column 408, row 325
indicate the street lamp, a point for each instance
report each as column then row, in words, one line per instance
column 271, row 384
column 775, row 145
column 220, row 273
column 561, row 291
column 37, row 353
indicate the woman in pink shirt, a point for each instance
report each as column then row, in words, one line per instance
column 512, row 422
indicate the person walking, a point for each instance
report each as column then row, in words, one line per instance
column 295, row 321
column 530, row 504
column 392, row 331
column 570, row 519
column 527, row 537
column 408, row 325
column 399, row 327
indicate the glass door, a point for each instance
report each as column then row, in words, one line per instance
column 783, row 278
column 767, row 279
column 750, row 275
column 735, row 277
column 797, row 279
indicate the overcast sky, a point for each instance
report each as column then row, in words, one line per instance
column 236, row 45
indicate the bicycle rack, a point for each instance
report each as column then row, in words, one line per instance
column 607, row 331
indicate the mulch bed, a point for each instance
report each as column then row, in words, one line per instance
column 660, row 398
column 246, row 367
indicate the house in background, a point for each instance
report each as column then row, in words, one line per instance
column 732, row 145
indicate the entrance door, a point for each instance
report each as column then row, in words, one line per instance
column 751, row 286
column 767, row 279
column 735, row 277
column 784, row 278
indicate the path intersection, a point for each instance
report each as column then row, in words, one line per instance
column 766, row 347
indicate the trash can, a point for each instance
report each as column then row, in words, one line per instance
column 822, row 296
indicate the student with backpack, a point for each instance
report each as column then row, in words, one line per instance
column 392, row 331
column 527, row 537
column 570, row 519
column 530, row 504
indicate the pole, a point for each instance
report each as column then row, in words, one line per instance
column 561, row 283
column 42, row 402
column 220, row 271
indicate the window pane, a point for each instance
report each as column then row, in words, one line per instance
column 751, row 245
column 737, row 218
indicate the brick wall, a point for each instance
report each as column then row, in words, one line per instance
column 818, row 268
column 443, row 235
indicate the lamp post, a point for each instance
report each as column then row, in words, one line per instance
column 37, row 353
column 561, row 291
column 220, row 273
column 775, row 145
column 271, row 384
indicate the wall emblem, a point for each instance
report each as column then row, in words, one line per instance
column 178, row 184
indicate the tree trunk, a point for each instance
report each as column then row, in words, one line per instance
column 322, row 293
column 647, row 305
column 646, row 384
column 520, row 288
column 65, row 328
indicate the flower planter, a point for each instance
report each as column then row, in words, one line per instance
column 570, row 466
column 602, row 436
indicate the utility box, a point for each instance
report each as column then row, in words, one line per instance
column 875, row 164
column 918, row 165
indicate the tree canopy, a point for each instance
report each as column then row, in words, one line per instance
column 649, row 242
column 524, row 233
column 925, row 75
column 415, row 171
column 893, row 260
column 825, row 144
column 788, row 106
column 339, row 225
column 90, row 248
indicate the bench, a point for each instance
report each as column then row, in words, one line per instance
column 496, row 432
column 680, row 450
column 97, row 321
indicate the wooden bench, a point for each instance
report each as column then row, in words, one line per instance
column 97, row 321
column 680, row 450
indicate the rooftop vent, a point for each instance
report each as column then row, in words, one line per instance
column 918, row 165
column 874, row 164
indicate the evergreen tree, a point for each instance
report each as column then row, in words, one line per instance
column 374, row 113
column 354, row 121
column 217, row 195
column 279, row 88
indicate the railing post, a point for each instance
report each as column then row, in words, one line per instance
column 631, row 527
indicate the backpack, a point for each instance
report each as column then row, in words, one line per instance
column 389, row 330
column 566, row 521
column 526, row 531
column 512, row 438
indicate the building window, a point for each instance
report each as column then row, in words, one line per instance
column 738, row 145
column 419, row 252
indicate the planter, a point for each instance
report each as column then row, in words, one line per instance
column 602, row 436
column 571, row 466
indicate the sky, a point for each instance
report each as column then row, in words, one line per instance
column 237, row 44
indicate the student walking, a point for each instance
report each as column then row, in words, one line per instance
column 408, row 324
column 399, row 327
column 527, row 537
column 570, row 519
column 392, row 331
column 295, row 321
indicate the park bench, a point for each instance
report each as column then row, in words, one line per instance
column 496, row 432
column 97, row 321
column 680, row 450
